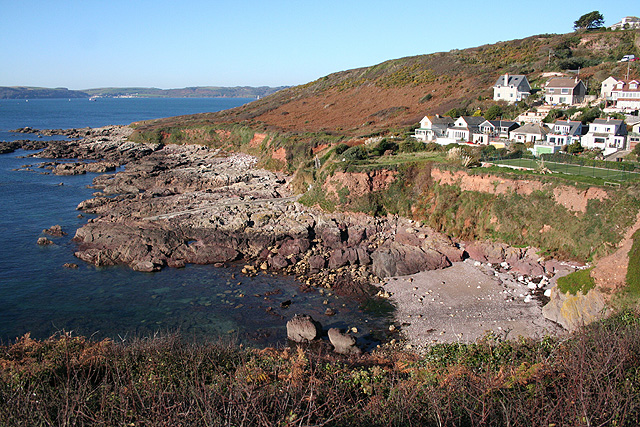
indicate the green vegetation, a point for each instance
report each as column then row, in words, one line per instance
column 578, row 281
column 632, row 288
column 589, row 378
column 589, row 21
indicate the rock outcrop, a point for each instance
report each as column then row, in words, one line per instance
column 575, row 311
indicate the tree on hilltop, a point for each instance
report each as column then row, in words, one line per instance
column 589, row 21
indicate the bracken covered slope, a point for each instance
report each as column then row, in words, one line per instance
column 398, row 93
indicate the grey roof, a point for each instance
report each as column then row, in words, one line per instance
column 532, row 128
column 503, row 123
column 474, row 120
column 441, row 120
column 573, row 125
column 514, row 80
column 563, row 82
column 616, row 122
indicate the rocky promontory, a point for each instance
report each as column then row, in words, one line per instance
column 171, row 205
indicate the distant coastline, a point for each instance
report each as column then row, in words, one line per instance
column 26, row 92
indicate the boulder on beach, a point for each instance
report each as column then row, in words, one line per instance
column 302, row 328
column 343, row 343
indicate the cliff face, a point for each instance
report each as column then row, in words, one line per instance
column 581, row 223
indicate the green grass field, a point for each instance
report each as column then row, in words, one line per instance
column 606, row 174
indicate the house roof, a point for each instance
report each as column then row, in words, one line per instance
column 616, row 122
column 473, row 120
column 563, row 82
column 532, row 128
column 514, row 80
column 502, row 123
column 441, row 120
column 573, row 125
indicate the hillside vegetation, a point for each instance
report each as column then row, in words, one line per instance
column 306, row 130
column 399, row 92
column 589, row 378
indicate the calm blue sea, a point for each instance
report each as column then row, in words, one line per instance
column 39, row 296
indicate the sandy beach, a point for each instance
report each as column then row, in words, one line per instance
column 464, row 302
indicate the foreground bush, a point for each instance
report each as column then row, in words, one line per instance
column 589, row 378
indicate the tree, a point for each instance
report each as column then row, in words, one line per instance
column 589, row 21
column 493, row 112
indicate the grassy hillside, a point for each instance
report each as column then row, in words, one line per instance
column 400, row 92
column 288, row 129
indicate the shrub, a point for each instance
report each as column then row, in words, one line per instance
column 578, row 281
column 385, row 145
column 359, row 152
column 412, row 146
column 425, row 98
column 341, row 148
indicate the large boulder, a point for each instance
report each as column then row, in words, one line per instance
column 302, row 328
column 343, row 343
column 574, row 311
column 399, row 260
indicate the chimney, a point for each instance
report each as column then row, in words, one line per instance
column 506, row 79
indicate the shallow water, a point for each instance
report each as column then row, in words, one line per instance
column 40, row 296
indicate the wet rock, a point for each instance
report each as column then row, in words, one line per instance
column 144, row 266
column 343, row 343
column 302, row 328
column 70, row 265
column 43, row 241
column 55, row 231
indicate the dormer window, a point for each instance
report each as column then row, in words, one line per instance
column 620, row 85
column 633, row 86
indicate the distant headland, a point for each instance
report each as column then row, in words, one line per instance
column 26, row 92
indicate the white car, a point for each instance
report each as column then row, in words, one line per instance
column 628, row 58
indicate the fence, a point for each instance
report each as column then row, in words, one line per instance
column 608, row 171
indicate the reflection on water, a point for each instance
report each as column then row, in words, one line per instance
column 39, row 295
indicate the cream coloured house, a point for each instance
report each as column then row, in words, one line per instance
column 511, row 88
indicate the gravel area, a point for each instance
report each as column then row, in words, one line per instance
column 466, row 301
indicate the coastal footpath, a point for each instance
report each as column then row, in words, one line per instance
column 170, row 205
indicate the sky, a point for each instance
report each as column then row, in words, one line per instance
column 82, row 44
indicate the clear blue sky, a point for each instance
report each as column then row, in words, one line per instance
column 81, row 44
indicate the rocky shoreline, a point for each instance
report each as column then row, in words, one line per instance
column 173, row 205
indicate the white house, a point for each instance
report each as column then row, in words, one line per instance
column 498, row 128
column 607, row 86
column 609, row 135
column 529, row 132
column 633, row 138
column 628, row 22
column 564, row 90
column 565, row 132
column 433, row 127
column 626, row 95
column 467, row 129
column 511, row 88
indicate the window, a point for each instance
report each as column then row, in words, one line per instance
column 564, row 91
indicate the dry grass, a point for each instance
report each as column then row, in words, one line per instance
column 591, row 378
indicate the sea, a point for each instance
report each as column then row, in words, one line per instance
column 40, row 297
